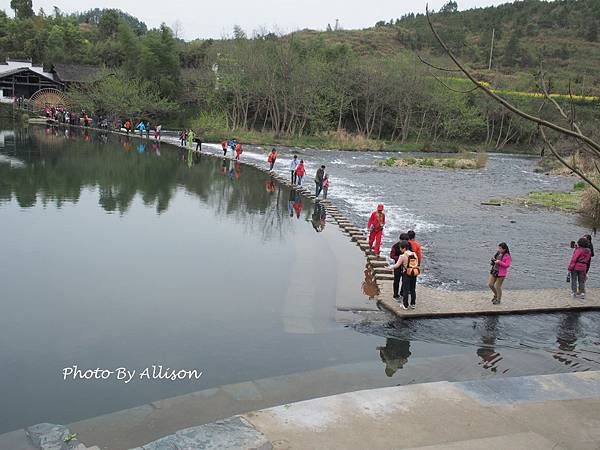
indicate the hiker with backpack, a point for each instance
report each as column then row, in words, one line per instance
column 500, row 264
column 409, row 263
column 375, row 227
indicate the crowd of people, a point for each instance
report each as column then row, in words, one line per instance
column 406, row 262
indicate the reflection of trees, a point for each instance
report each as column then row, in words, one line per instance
column 59, row 165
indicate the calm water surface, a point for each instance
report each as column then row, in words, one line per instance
column 116, row 253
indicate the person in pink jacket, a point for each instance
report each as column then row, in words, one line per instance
column 500, row 264
column 578, row 267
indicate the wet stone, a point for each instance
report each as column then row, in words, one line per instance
column 229, row 434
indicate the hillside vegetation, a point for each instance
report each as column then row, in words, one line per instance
column 344, row 88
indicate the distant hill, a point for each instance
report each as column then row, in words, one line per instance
column 564, row 35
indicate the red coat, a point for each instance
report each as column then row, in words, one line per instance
column 300, row 171
column 581, row 259
column 374, row 223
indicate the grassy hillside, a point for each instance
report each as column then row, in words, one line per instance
column 562, row 35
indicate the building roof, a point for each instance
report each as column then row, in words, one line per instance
column 5, row 73
column 76, row 73
column 11, row 65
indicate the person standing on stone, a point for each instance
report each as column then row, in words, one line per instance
column 409, row 263
column 293, row 167
column 394, row 255
column 238, row 151
column 578, row 267
column 325, row 186
column 272, row 158
column 415, row 246
column 375, row 227
column 319, row 177
column 500, row 264
column 300, row 171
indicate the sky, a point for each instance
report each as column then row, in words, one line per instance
column 215, row 19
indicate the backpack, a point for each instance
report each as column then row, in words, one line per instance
column 412, row 267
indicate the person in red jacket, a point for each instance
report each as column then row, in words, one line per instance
column 375, row 226
column 578, row 267
column 224, row 145
column 300, row 171
column 272, row 158
column 238, row 151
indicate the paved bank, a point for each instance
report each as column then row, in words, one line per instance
column 534, row 412
column 529, row 413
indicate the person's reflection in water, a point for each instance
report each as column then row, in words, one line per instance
column 156, row 148
column 292, row 200
column 318, row 217
column 298, row 205
column 270, row 185
column 568, row 330
column 369, row 285
column 224, row 167
column 237, row 170
column 230, row 172
column 141, row 148
column 488, row 354
column 395, row 354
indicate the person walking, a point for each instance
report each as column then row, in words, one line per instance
column 500, row 264
column 190, row 138
column 293, row 167
column 300, row 171
column 319, row 180
column 415, row 246
column 409, row 263
column 198, row 141
column 183, row 137
column 147, row 125
column 325, row 186
column 578, row 267
column 141, row 128
column 224, row 146
column 272, row 158
column 375, row 226
column 157, row 131
column 238, row 151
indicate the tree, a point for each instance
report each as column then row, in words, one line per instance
column 23, row 8
column 108, row 23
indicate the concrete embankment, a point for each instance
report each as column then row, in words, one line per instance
column 535, row 412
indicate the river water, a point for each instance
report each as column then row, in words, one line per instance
column 119, row 253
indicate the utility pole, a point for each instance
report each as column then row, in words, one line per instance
column 492, row 49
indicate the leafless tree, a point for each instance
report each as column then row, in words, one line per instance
column 573, row 131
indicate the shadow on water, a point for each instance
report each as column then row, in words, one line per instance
column 501, row 343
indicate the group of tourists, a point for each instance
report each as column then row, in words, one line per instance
column 188, row 138
column 406, row 259
column 298, row 170
column 234, row 146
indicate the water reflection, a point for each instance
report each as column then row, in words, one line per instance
column 51, row 165
column 369, row 284
column 490, row 357
column 568, row 329
column 394, row 355
column 319, row 217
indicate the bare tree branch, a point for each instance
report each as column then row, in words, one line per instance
column 504, row 102
column 452, row 89
column 443, row 69
column 565, row 163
